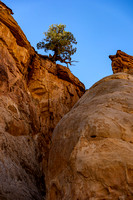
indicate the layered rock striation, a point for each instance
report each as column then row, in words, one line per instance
column 35, row 93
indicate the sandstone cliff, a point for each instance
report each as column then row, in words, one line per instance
column 92, row 145
column 34, row 95
column 56, row 90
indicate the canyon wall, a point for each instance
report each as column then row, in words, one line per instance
column 43, row 108
column 35, row 93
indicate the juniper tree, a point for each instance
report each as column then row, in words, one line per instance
column 60, row 42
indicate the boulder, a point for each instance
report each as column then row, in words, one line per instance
column 92, row 145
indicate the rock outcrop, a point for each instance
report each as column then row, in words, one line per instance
column 56, row 90
column 122, row 62
column 34, row 96
column 92, row 145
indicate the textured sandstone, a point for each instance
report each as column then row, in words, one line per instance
column 55, row 90
column 122, row 62
column 20, row 174
column 92, row 145
column 7, row 9
column 34, row 95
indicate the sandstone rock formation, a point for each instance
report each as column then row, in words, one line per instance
column 34, row 95
column 7, row 9
column 56, row 90
column 92, row 145
column 122, row 62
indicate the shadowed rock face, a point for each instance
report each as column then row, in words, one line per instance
column 92, row 145
column 34, row 95
column 20, row 173
column 122, row 62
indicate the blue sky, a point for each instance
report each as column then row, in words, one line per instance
column 101, row 27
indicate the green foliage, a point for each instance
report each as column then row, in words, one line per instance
column 59, row 41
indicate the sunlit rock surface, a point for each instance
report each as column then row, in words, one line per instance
column 92, row 146
column 122, row 62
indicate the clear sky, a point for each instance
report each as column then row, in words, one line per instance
column 101, row 27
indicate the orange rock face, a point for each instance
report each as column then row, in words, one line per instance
column 122, row 62
column 34, row 96
column 55, row 89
